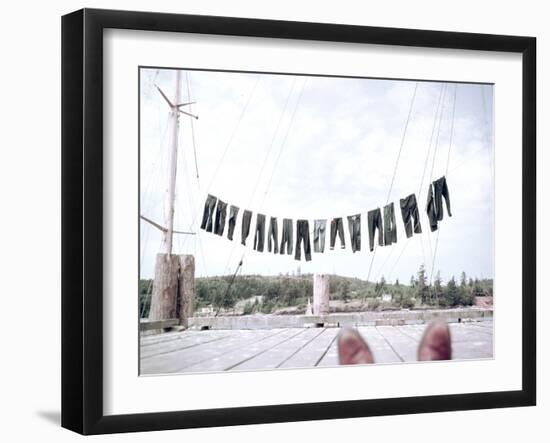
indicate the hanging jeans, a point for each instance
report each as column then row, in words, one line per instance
column 208, row 213
column 434, row 205
column 259, row 235
column 409, row 212
column 273, row 236
column 286, row 238
column 354, row 223
column 232, row 221
column 390, row 228
column 319, row 229
column 302, row 234
column 245, row 225
column 221, row 211
column 337, row 226
column 375, row 222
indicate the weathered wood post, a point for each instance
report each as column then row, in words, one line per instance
column 165, row 287
column 321, row 292
column 186, row 288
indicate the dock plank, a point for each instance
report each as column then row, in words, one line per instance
column 178, row 361
column 231, row 358
column 331, row 356
column 278, row 354
column 181, row 342
column 403, row 345
column 379, row 346
column 314, row 351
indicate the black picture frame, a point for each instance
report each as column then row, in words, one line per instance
column 82, row 219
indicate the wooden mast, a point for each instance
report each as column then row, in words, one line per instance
column 170, row 195
column 173, row 273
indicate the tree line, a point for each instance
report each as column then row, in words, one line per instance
column 295, row 290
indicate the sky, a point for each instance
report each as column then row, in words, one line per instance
column 315, row 147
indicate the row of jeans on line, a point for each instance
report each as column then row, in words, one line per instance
column 381, row 223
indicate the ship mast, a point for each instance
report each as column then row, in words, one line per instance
column 170, row 194
column 173, row 288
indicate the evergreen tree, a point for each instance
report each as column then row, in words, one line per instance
column 422, row 290
column 438, row 288
column 451, row 292
column 463, row 279
column 344, row 291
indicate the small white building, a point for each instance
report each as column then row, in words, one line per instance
column 206, row 311
column 387, row 297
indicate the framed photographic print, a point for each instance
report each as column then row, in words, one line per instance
column 269, row 221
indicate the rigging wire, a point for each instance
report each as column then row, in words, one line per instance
column 402, row 142
column 240, row 263
column 197, row 238
column 446, row 171
column 143, row 246
column 284, row 141
column 154, row 178
column 283, row 144
column 273, row 138
column 154, row 175
column 437, row 110
column 430, row 144
column 396, row 165
column 232, row 136
column 192, row 126
column 229, row 142
column 436, row 146
column 265, row 161
column 195, row 206
column 488, row 133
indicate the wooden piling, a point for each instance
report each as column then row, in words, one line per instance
column 186, row 288
column 321, row 292
column 165, row 287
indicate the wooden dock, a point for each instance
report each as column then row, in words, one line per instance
column 247, row 350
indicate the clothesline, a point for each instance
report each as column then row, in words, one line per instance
column 381, row 222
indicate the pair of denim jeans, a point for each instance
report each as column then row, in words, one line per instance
column 232, row 221
column 337, row 228
column 319, row 230
column 208, row 213
column 374, row 218
column 245, row 225
column 354, row 223
column 434, row 206
column 221, row 212
column 286, row 236
column 409, row 212
column 273, row 236
column 259, row 235
column 302, row 236
column 390, row 226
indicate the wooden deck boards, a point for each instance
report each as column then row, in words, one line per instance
column 247, row 350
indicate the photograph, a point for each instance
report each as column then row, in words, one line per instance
column 297, row 221
column 274, row 222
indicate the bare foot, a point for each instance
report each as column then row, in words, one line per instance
column 352, row 349
column 435, row 343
